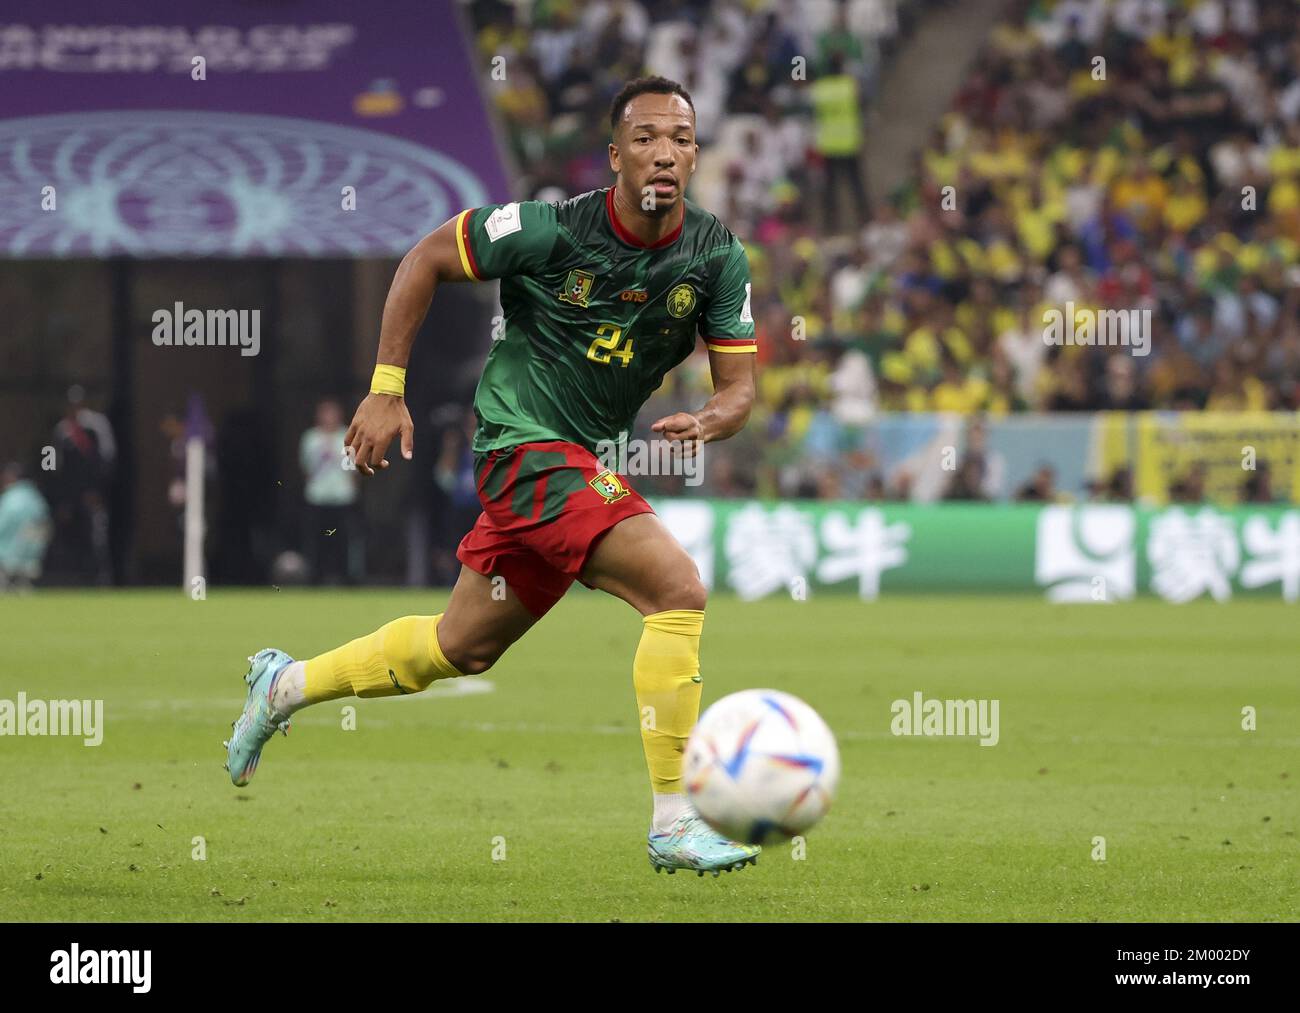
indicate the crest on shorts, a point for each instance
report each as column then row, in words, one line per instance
column 610, row 486
column 577, row 287
column 681, row 300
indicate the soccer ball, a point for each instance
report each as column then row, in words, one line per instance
column 761, row 766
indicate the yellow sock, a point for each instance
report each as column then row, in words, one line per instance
column 400, row 657
column 666, row 674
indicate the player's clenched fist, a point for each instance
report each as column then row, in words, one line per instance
column 379, row 418
column 683, row 427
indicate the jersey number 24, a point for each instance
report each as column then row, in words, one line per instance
column 606, row 346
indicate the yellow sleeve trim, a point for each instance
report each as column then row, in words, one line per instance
column 462, row 224
column 730, row 348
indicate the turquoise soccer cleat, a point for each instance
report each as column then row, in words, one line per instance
column 255, row 726
column 693, row 844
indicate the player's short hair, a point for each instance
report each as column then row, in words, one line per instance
column 654, row 85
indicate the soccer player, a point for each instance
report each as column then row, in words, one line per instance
column 603, row 294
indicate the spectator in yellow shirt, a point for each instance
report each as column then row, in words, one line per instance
column 962, row 395
column 1185, row 208
column 1140, row 194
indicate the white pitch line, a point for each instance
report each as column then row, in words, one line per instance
column 477, row 687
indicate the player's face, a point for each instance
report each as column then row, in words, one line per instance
column 654, row 149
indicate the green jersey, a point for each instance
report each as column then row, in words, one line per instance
column 594, row 319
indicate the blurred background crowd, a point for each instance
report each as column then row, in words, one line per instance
column 1104, row 154
column 1096, row 154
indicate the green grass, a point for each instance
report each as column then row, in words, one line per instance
column 1122, row 722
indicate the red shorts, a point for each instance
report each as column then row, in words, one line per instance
column 545, row 506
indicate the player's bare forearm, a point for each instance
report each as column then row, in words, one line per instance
column 381, row 417
column 724, row 414
column 432, row 260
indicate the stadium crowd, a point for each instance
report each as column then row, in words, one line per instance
column 1102, row 154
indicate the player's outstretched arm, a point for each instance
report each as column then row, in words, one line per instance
column 380, row 417
column 726, row 412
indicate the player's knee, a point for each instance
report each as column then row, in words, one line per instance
column 474, row 665
column 694, row 594
column 474, row 659
column 468, row 650
column 684, row 591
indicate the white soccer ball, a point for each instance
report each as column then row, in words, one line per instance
column 761, row 766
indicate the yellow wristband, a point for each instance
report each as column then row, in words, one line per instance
column 388, row 380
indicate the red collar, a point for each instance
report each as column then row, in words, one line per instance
column 632, row 240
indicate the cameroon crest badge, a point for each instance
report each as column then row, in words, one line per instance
column 610, row 486
column 577, row 287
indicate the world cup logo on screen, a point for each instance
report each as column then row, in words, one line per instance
column 204, row 183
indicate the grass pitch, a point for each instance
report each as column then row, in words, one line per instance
column 530, row 800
